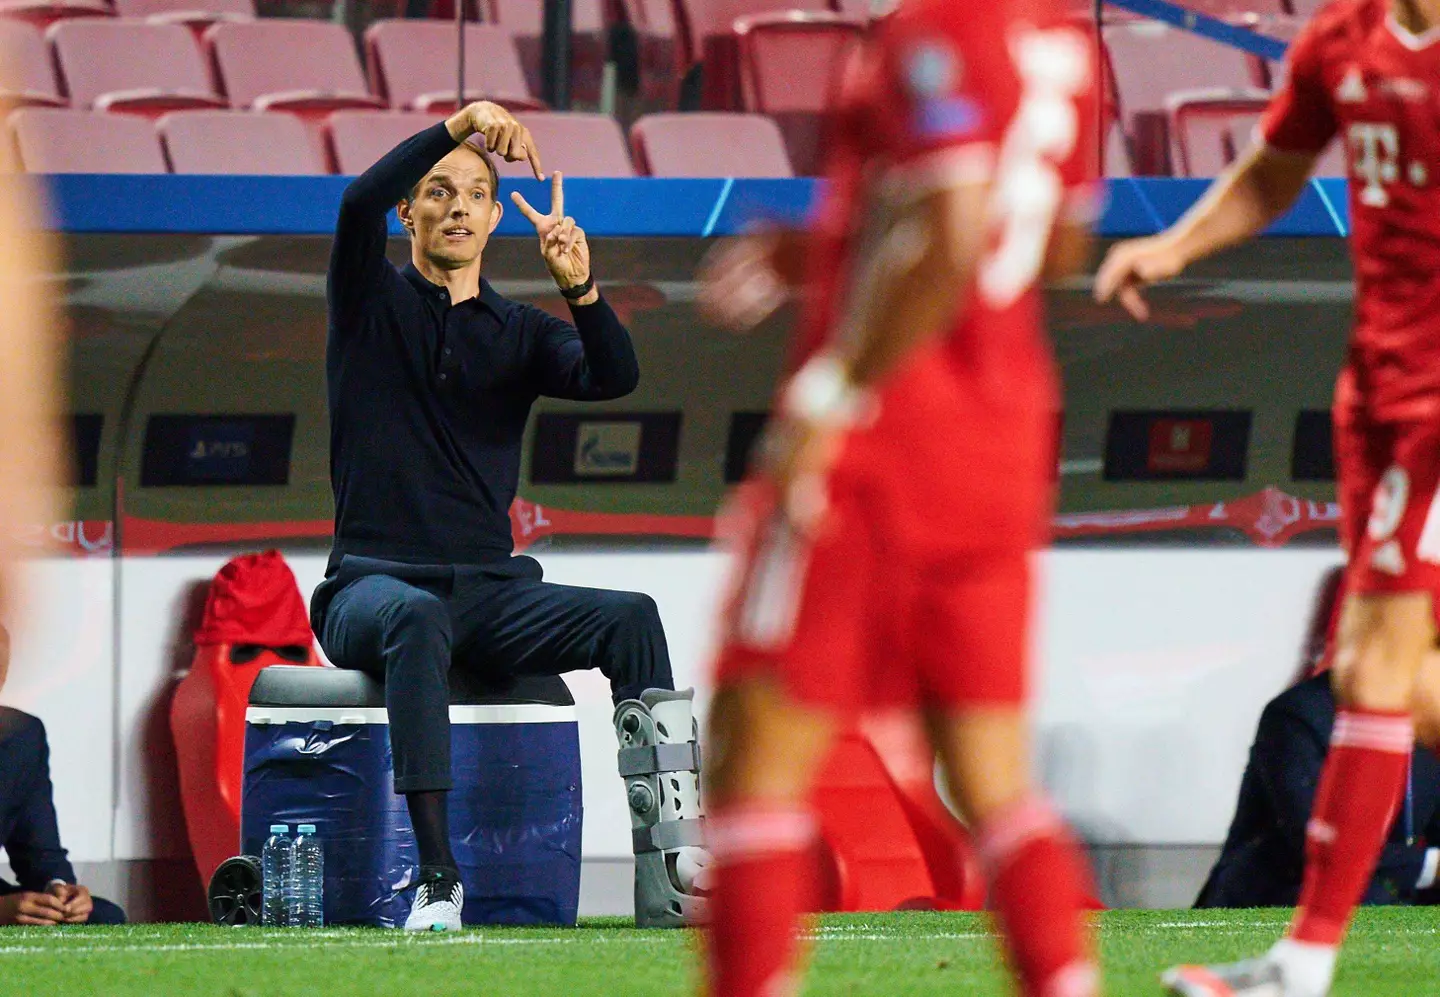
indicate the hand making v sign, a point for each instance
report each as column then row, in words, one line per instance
column 562, row 244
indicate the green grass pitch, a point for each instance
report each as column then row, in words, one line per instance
column 1392, row 952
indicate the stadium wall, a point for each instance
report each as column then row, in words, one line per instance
column 1153, row 667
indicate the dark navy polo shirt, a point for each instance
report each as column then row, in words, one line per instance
column 428, row 400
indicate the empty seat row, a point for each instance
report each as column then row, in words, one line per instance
column 135, row 65
column 49, row 140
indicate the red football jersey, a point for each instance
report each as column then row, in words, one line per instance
column 1356, row 73
column 1000, row 90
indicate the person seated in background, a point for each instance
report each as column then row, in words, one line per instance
column 47, row 893
column 1262, row 862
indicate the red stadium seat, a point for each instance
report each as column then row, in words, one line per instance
column 709, row 144
column 194, row 14
column 43, row 13
column 412, row 65
column 51, row 140
column 239, row 142
column 359, row 138
column 525, row 21
column 1152, row 64
column 1116, row 152
column 125, row 65
column 27, row 76
column 576, row 144
column 709, row 39
column 789, row 64
column 1208, row 135
column 288, row 64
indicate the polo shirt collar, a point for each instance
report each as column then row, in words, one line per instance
column 489, row 297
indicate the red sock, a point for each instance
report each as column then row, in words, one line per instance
column 762, row 884
column 1360, row 789
column 1038, row 887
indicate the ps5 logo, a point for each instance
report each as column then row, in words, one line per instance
column 607, row 449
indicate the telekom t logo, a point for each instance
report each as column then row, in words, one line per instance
column 1375, row 158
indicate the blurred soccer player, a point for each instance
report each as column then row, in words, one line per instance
column 906, row 479
column 30, row 446
column 1368, row 71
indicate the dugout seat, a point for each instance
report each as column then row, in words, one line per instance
column 126, row 65
column 53, row 140
column 789, row 64
column 411, row 64
column 709, row 144
column 239, row 143
column 27, row 76
column 1208, row 135
column 576, row 144
column 359, row 138
column 254, row 618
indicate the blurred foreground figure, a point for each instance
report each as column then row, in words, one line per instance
column 30, row 449
column 886, row 533
column 1366, row 71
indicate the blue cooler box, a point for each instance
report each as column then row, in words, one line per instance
column 317, row 750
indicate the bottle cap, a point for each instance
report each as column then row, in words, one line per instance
column 279, row 828
column 306, row 829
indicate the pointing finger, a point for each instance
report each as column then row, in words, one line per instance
column 557, row 195
column 531, row 215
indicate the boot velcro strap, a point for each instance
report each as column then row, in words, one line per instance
column 668, row 834
column 660, row 758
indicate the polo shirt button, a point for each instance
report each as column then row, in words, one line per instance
column 443, row 376
column 447, row 351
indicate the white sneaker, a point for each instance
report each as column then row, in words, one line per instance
column 439, row 900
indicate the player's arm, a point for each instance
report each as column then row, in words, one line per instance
column 1256, row 190
column 912, row 283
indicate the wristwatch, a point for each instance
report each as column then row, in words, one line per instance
column 578, row 291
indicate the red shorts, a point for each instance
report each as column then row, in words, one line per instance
column 1390, row 518
column 846, row 621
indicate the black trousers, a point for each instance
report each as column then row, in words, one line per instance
column 409, row 624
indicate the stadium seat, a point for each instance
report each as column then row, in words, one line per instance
column 709, row 39
column 1208, row 135
column 1116, row 152
column 52, row 140
column 709, row 144
column 1152, row 64
column 576, row 144
column 412, row 65
column 788, row 67
column 359, row 138
column 27, row 76
column 288, row 64
column 125, row 65
column 43, row 13
column 525, row 21
column 194, row 14
column 239, row 142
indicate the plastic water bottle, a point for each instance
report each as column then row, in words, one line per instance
column 276, row 860
column 308, row 873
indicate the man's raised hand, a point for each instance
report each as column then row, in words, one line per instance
column 562, row 242
column 503, row 135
